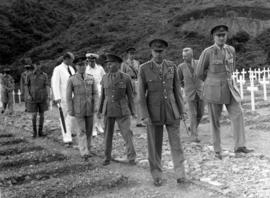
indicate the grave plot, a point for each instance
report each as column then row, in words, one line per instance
column 31, row 170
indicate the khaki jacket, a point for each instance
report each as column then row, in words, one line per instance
column 81, row 95
column 116, row 95
column 215, row 68
column 192, row 85
column 159, row 93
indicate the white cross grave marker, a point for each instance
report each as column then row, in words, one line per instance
column 13, row 95
column 19, row 95
column 268, row 72
column 264, row 82
column 259, row 74
column 243, row 72
column 250, row 73
column 241, row 81
column 236, row 74
column 252, row 90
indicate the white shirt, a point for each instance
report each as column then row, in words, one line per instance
column 59, row 81
column 98, row 73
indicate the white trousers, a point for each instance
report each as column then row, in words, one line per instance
column 70, row 125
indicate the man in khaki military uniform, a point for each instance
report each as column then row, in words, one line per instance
column 8, row 86
column 215, row 68
column 82, row 99
column 28, row 69
column 37, row 91
column 131, row 67
column 117, row 104
column 193, row 91
column 161, row 104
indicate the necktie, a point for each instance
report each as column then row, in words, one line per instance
column 69, row 71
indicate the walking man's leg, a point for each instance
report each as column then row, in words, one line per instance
column 214, row 111
column 154, row 139
column 109, row 128
column 82, row 139
column 176, row 151
column 124, row 126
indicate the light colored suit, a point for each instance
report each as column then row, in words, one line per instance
column 59, row 86
column 193, row 92
column 215, row 68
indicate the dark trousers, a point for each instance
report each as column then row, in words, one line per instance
column 155, row 139
column 124, row 126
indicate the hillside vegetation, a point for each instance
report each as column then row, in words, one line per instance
column 44, row 30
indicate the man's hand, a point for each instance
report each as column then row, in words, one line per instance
column 99, row 115
column 29, row 98
column 184, row 116
column 134, row 116
column 147, row 120
column 58, row 101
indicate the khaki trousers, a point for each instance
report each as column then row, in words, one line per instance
column 237, row 123
column 124, row 126
column 84, row 134
column 154, row 138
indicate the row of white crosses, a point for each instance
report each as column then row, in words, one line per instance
column 253, row 75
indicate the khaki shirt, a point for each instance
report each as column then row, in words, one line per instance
column 159, row 93
column 116, row 95
column 215, row 68
column 8, row 83
column 37, row 85
column 81, row 95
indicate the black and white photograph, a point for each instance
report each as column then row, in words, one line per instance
column 134, row 98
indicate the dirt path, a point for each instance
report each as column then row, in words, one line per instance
column 45, row 168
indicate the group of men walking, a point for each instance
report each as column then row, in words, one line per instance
column 150, row 93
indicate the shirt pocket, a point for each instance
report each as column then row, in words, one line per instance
column 217, row 66
column 153, row 85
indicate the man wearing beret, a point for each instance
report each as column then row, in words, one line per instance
column 97, row 72
column 117, row 104
column 131, row 67
column 8, row 85
column 215, row 68
column 60, row 76
column 193, row 90
column 37, row 91
column 161, row 104
column 82, row 99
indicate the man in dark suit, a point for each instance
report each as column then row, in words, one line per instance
column 161, row 104
column 193, row 91
column 116, row 104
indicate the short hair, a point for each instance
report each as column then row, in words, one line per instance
column 188, row 50
column 68, row 55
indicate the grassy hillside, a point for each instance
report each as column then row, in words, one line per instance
column 44, row 30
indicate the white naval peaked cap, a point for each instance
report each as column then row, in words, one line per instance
column 91, row 55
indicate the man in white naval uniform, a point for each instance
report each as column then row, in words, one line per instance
column 97, row 72
column 61, row 74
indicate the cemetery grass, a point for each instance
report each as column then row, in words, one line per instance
column 49, row 169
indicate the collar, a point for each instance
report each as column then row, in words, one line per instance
column 224, row 46
column 158, row 65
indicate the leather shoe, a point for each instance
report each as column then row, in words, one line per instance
column 218, row 155
column 132, row 162
column 106, row 162
column 243, row 150
column 181, row 180
column 158, row 182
